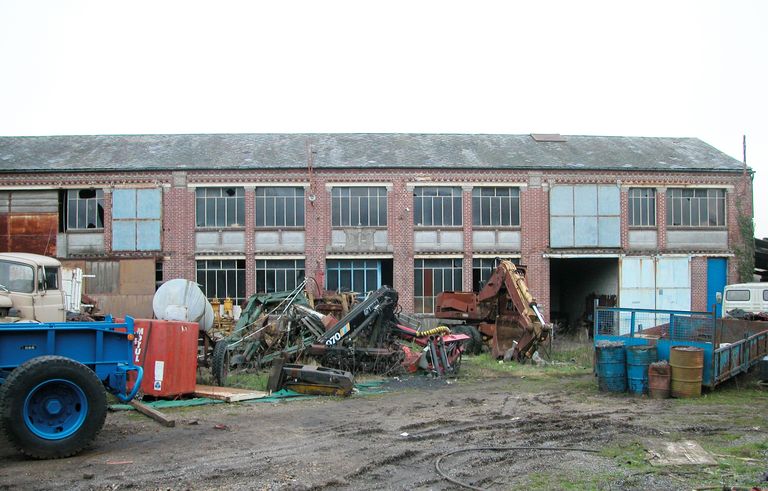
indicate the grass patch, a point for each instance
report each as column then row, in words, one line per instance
column 566, row 357
column 241, row 380
column 483, row 366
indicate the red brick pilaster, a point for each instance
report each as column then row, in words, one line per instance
column 466, row 209
column 661, row 218
column 534, row 229
column 107, row 220
column 250, row 240
column 400, row 233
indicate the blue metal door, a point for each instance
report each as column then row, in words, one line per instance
column 716, row 272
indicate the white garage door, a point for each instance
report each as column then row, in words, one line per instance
column 662, row 283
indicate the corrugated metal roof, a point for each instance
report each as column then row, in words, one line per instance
column 355, row 150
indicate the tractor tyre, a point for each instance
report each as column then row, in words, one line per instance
column 220, row 362
column 52, row 407
column 473, row 345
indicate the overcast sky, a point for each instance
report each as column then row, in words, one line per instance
column 650, row 68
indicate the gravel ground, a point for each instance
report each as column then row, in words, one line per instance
column 391, row 441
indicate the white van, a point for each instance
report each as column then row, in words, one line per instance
column 749, row 297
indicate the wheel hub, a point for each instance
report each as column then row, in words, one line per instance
column 55, row 409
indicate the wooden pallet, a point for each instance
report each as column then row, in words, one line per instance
column 228, row 394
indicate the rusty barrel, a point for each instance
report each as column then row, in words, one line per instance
column 658, row 380
column 611, row 367
column 638, row 359
column 687, row 364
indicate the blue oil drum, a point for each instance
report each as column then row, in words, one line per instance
column 638, row 359
column 611, row 367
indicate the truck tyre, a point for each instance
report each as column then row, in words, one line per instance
column 473, row 345
column 52, row 407
column 220, row 362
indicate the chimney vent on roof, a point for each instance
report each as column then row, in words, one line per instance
column 548, row 137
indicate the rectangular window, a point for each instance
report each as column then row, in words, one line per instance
column 437, row 207
column 280, row 207
column 136, row 219
column 483, row 268
column 496, row 207
column 359, row 207
column 642, row 207
column 353, row 275
column 17, row 277
column 278, row 275
column 84, row 209
column 220, row 207
column 158, row 274
column 222, row 279
column 737, row 295
column 432, row 276
column 696, row 207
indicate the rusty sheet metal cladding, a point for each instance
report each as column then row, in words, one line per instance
column 638, row 359
column 611, row 367
column 29, row 233
column 687, row 364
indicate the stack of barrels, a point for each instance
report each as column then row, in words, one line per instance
column 634, row 369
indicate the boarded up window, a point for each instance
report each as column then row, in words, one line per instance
column 102, row 277
column 136, row 219
column 584, row 216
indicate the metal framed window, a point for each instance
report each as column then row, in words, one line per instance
column 496, row 207
column 483, row 268
column 85, row 209
column 278, row 275
column 17, row 277
column 280, row 207
column 737, row 295
column 696, row 207
column 220, row 207
column 437, row 206
column 222, row 278
column 359, row 207
column 354, row 275
column 642, row 207
column 432, row 276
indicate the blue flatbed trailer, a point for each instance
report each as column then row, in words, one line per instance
column 54, row 378
column 731, row 346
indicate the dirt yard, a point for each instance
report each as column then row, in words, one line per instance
column 391, row 441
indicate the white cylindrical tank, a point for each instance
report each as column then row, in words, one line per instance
column 182, row 300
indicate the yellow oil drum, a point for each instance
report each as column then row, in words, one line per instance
column 687, row 364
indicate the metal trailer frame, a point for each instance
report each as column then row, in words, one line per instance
column 104, row 347
column 730, row 346
column 53, row 378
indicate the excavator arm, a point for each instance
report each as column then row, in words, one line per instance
column 505, row 311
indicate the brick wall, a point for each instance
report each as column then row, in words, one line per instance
column 699, row 283
column 179, row 213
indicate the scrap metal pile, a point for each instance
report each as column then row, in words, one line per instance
column 367, row 336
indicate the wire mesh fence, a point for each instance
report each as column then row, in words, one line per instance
column 661, row 324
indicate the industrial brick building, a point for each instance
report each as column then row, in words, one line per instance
column 648, row 222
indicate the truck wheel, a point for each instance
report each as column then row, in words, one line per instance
column 52, row 407
column 220, row 362
column 473, row 345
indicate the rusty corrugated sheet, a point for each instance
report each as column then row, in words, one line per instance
column 29, row 233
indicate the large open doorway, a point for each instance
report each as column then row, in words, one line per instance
column 575, row 283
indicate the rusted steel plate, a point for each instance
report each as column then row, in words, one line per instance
column 30, row 233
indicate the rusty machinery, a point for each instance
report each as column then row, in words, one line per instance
column 504, row 312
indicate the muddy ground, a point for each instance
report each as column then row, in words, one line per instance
column 391, row 441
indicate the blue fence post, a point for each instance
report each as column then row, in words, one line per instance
column 631, row 324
